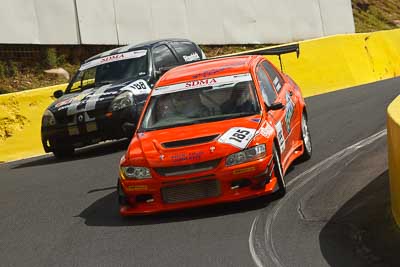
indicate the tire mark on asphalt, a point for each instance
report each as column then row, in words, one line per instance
column 255, row 245
column 264, row 254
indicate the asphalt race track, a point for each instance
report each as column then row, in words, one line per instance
column 64, row 213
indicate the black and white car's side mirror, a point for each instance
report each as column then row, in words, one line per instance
column 58, row 93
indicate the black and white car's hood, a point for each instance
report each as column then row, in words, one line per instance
column 96, row 99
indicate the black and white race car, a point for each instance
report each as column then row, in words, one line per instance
column 105, row 98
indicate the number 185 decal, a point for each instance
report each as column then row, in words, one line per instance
column 237, row 136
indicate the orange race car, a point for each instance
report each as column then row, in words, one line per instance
column 214, row 131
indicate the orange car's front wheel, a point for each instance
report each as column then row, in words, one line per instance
column 306, row 138
column 278, row 172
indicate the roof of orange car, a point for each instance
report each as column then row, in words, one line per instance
column 208, row 69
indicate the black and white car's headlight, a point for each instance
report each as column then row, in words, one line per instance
column 122, row 101
column 48, row 118
column 250, row 154
column 132, row 172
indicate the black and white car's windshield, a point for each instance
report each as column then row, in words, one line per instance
column 110, row 69
column 201, row 101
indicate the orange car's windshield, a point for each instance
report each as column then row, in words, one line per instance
column 203, row 104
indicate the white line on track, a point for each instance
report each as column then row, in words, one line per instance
column 28, row 158
column 49, row 154
column 311, row 174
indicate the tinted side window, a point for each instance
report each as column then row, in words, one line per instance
column 275, row 77
column 267, row 90
column 187, row 51
column 163, row 57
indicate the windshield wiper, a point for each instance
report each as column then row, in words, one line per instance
column 223, row 117
column 131, row 78
column 169, row 126
column 103, row 83
column 239, row 115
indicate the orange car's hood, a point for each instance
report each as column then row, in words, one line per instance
column 190, row 144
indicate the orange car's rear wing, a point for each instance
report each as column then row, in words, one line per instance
column 274, row 51
column 277, row 51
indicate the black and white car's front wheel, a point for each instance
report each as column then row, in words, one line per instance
column 306, row 138
column 62, row 151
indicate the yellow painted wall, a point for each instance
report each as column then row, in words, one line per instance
column 342, row 61
column 393, row 126
column 325, row 65
column 20, row 122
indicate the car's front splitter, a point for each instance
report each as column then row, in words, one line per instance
column 157, row 206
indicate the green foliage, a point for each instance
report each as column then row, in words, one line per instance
column 3, row 70
column 12, row 69
column 61, row 60
column 8, row 69
column 375, row 15
column 51, row 59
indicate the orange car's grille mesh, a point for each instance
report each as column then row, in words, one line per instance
column 190, row 192
column 187, row 169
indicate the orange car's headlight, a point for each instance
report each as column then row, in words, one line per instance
column 132, row 172
column 250, row 154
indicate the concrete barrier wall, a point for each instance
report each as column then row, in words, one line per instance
column 20, row 122
column 205, row 22
column 393, row 127
column 341, row 61
column 325, row 65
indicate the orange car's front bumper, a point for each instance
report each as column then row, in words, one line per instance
column 146, row 197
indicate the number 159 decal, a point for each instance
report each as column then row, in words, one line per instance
column 237, row 136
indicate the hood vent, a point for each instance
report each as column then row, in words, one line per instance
column 189, row 142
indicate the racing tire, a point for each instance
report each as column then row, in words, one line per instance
column 278, row 173
column 64, row 151
column 129, row 136
column 122, row 201
column 306, row 138
column 128, row 130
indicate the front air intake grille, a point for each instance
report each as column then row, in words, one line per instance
column 187, row 169
column 190, row 192
column 190, row 142
column 96, row 113
column 63, row 120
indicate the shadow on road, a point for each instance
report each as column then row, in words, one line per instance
column 363, row 232
column 82, row 153
column 105, row 212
